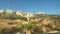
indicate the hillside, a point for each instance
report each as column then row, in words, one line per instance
column 39, row 23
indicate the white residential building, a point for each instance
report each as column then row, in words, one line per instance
column 19, row 13
column 9, row 11
column 28, row 15
column 40, row 13
column 1, row 11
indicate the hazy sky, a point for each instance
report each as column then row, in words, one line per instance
column 47, row 6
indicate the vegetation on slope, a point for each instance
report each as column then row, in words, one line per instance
column 40, row 23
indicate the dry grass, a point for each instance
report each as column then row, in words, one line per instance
column 6, row 23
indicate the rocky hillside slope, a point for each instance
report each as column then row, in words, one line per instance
column 11, row 23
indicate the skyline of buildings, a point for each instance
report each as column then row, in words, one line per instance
column 19, row 12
